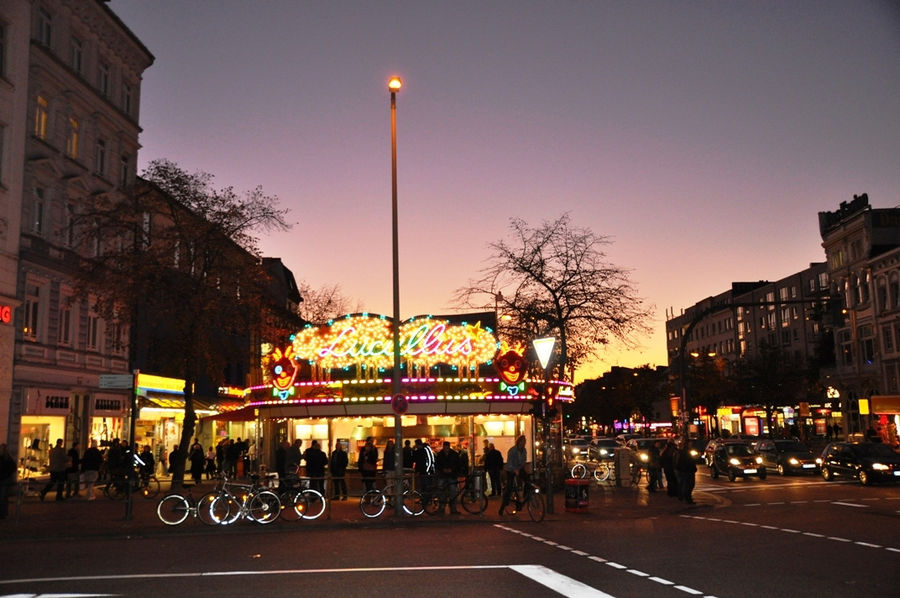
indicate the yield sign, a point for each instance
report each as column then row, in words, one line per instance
column 544, row 349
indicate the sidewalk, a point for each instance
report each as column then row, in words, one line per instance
column 79, row 518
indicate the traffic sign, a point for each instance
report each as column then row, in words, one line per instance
column 399, row 404
column 116, row 380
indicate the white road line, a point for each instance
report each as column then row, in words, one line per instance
column 869, row 545
column 688, row 590
column 850, row 504
column 558, row 583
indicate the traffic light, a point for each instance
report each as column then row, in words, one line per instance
column 550, row 392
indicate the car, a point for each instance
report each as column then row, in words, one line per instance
column 642, row 445
column 710, row 448
column 736, row 459
column 576, row 448
column 787, row 456
column 602, row 448
column 697, row 447
column 869, row 462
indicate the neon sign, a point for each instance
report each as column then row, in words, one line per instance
column 363, row 339
column 5, row 314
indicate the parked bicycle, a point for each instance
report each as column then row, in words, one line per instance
column 245, row 501
column 145, row 485
column 374, row 502
column 175, row 508
column 600, row 472
column 469, row 493
column 300, row 501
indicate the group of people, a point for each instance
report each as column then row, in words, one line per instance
column 678, row 466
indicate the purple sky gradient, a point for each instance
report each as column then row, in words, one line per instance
column 702, row 138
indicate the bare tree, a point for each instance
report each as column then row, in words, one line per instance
column 176, row 260
column 553, row 280
column 325, row 303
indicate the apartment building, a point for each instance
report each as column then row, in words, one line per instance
column 73, row 72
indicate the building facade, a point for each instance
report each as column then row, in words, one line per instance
column 76, row 118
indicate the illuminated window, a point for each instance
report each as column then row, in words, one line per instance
column 32, row 307
column 72, row 140
column 41, row 116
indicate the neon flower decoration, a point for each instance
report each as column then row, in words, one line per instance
column 364, row 339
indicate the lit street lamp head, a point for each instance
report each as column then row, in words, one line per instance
column 394, row 84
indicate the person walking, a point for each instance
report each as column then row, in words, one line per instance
column 686, row 470
column 516, row 469
column 59, row 463
column 653, row 467
column 91, row 462
column 423, row 465
column 446, row 463
column 73, row 471
column 493, row 464
column 7, row 479
column 316, row 460
column 368, row 462
column 337, row 465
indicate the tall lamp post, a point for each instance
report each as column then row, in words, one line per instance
column 398, row 403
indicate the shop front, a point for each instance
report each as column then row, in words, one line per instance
column 329, row 385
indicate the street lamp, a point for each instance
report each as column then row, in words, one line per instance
column 394, row 85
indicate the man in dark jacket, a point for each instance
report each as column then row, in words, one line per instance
column 446, row 463
column 338, row 468
column 686, row 470
column 493, row 464
column 91, row 462
column 315, row 466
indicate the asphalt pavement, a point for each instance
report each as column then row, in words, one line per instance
column 32, row 518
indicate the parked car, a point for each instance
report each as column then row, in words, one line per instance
column 787, row 456
column 576, row 448
column 736, row 459
column 697, row 448
column 867, row 461
column 602, row 448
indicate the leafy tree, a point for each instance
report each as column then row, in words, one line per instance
column 325, row 303
column 554, row 280
column 177, row 260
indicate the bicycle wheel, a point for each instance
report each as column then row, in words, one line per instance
column 151, row 488
column 225, row 509
column 173, row 509
column 474, row 501
column 432, row 503
column 535, row 506
column 372, row 503
column 204, row 508
column 412, row 503
column 293, row 505
column 602, row 471
column 579, row 471
column 265, row 507
column 315, row 504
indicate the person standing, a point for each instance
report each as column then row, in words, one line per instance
column 368, row 462
column 653, row 469
column 91, row 462
column 210, row 467
column 516, row 469
column 73, row 471
column 446, row 463
column 197, row 458
column 338, row 468
column 667, row 462
column 7, row 479
column 407, row 455
column 315, row 466
column 59, row 463
column 423, row 464
column 686, row 470
column 493, row 463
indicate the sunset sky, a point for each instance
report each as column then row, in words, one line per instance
column 702, row 138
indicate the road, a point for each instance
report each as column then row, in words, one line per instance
column 778, row 537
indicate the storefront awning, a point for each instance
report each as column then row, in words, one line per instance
column 885, row 404
column 244, row 414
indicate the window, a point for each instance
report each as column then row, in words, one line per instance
column 93, row 330
column 125, row 165
column 103, row 79
column 65, row 321
column 785, row 317
column 887, row 339
column 77, row 55
column 37, row 225
column 32, row 310
column 867, row 344
column 41, row 116
column 2, row 50
column 45, row 27
column 783, row 293
column 126, row 98
column 100, row 158
column 846, row 348
column 72, row 140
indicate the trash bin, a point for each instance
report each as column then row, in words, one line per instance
column 577, row 495
column 477, row 480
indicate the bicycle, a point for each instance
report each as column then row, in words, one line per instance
column 174, row 508
column 374, row 502
column 300, row 501
column 529, row 496
column 253, row 502
column 469, row 493
column 600, row 472
column 145, row 485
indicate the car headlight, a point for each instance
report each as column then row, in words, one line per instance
column 644, row 457
column 603, row 452
column 759, row 460
column 734, row 461
column 880, row 467
column 794, row 461
column 818, row 460
column 575, row 450
column 694, row 453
